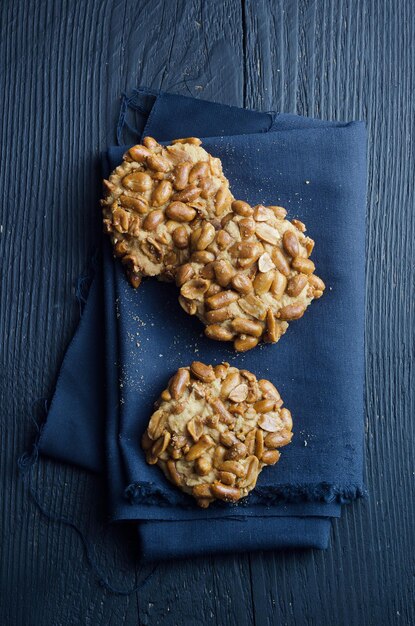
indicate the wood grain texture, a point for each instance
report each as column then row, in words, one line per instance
column 63, row 67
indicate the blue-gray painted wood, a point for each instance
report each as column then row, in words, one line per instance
column 63, row 65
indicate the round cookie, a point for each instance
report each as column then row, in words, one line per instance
column 256, row 277
column 156, row 198
column 214, row 429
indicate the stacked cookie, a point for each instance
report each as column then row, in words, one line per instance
column 246, row 272
column 243, row 270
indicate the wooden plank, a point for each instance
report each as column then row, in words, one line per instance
column 353, row 61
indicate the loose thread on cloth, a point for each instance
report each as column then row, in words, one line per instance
column 26, row 464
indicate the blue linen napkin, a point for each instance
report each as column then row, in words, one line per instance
column 317, row 170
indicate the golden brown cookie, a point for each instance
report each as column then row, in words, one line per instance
column 156, row 198
column 254, row 278
column 214, row 430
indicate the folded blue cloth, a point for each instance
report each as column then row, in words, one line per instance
column 317, row 170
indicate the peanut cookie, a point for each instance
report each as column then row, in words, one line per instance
column 214, row 430
column 254, row 278
column 156, row 198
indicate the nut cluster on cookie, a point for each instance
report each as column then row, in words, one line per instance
column 214, row 429
column 243, row 270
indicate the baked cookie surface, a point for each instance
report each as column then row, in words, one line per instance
column 257, row 278
column 156, row 198
column 214, row 430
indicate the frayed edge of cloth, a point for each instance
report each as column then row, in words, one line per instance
column 151, row 495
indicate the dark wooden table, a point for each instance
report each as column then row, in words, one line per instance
column 64, row 64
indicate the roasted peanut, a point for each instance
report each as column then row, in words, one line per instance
column 221, row 199
column 234, row 467
column 239, row 393
column 286, row 419
column 202, row 490
column 291, row 311
column 242, row 208
column 137, row 181
column 202, row 466
column 217, row 315
column 262, row 282
column 188, row 305
column 213, row 290
column 267, row 233
column 265, row 263
column 224, row 415
column 206, row 236
column 268, row 390
column 259, row 443
column 184, row 274
column 158, row 163
column 203, row 372
column 316, row 282
column 246, row 227
column 236, row 452
column 195, row 141
column 278, row 439
column 264, row 406
column 290, row 243
column 223, row 272
column 139, row 205
column 151, row 143
column 181, row 175
column 199, row 170
column 243, row 343
column 309, row 245
column 245, row 326
column 180, row 212
column 273, row 331
column 205, row 442
column 223, row 239
column 251, row 473
column 195, row 288
column 195, row 428
column 202, row 256
column 188, row 194
column 241, row 283
column 231, row 381
column 138, row 153
column 280, row 261
column 227, row 478
column 225, row 492
column 269, row 457
column 299, row 225
column 303, row 265
column 278, row 285
column 175, row 477
column 162, row 193
column 179, row 383
column 180, row 237
column 262, row 213
column 278, row 211
column 214, row 331
column 224, row 298
column 296, row 284
column 121, row 248
column 120, row 220
column 156, row 424
column 161, row 444
column 270, row 423
column 221, row 370
column 152, row 220
column 218, row 456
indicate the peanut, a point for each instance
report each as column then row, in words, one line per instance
column 203, row 372
column 222, row 299
column 184, row 274
column 280, row 261
column 138, row 153
column 188, row 194
column 278, row 285
column 242, row 325
column 270, row 457
column 139, row 205
column 223, row 272
column 137, row 181
column 242, row 208
column 305, row 266
column 290, row 243
column 214, row 331
column 197, row 449
column 291, row 312
column 262, row 282
column 217, row 315
column 202, row 466
column 179, row 383
column 162, row 193
column 241, row 283
column 278, row 439
column 296, row 284
column 181, row 175
column 225, row 492
column 245, row 342
column 180, row 212
column 158, row 163
column 199, row 170
column 152, row 220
